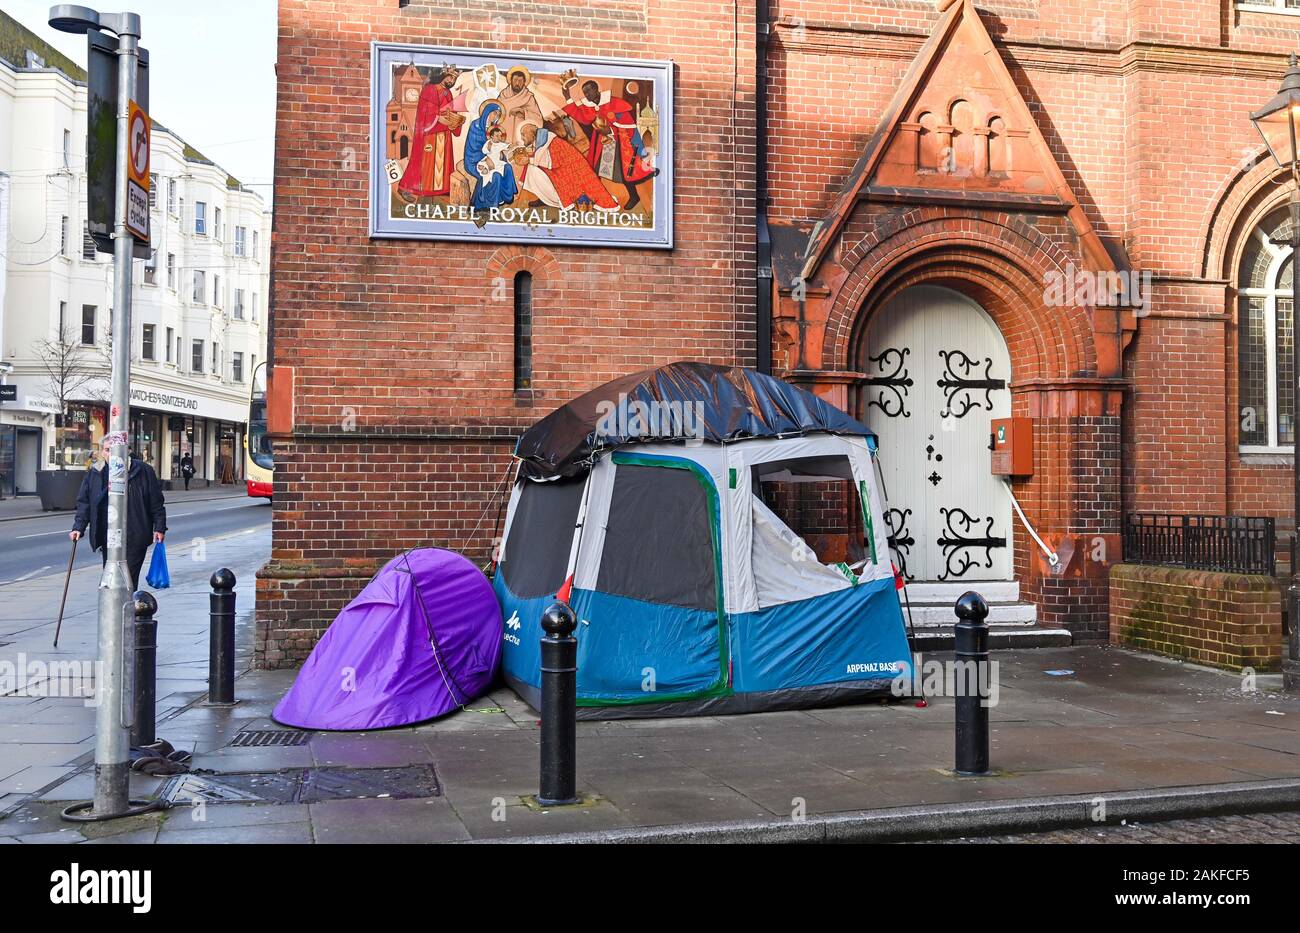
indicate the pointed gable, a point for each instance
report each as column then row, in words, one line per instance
column 957, row 130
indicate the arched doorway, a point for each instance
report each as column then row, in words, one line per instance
column 938, row 371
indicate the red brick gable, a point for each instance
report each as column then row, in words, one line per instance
column 958, row 131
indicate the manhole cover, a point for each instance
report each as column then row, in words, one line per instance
column 267, row 737
column 304, row 785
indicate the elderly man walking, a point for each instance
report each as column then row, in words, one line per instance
column 146, row 514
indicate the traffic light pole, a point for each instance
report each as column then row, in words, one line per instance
column 116, row 613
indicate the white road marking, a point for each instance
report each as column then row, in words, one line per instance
column 240, row 503
column 177, row 549
column 27, row 576
column 226, row 508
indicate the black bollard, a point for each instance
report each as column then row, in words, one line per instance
column 559, row 707
column 145, row 695
column 221, row 638
column 972, row 657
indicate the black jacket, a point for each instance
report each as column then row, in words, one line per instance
column 145, row 510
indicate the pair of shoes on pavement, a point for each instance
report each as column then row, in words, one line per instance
column 159, row 759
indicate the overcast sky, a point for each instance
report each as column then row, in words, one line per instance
column 211, row 73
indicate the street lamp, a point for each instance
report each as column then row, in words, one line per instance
column 1276, row 122
column 113, row 679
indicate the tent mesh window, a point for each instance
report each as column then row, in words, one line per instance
column 536, row 553
column 817, row 499
column 659, row 539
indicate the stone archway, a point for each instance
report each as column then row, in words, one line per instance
column 1004, row 266
column 1064, row 374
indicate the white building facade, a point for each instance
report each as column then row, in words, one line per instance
column 199, row 304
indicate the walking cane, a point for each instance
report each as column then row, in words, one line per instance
column 63, row 602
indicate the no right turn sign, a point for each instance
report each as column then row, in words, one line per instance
column 137, row 183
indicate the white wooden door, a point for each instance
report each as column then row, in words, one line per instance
column 938, row 372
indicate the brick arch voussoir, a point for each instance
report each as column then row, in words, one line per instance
column 1005, row 261
column 1033, row 352
column 507, row 261
column 916, row 220
column 1239, row 197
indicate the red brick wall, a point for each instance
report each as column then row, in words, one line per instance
column 428, row 315
column 1225, row 619
column 344, row 506
column 402, row 351
column 1143, row 104
column 1074, row 502
column 1148, row 138
column 1152, row 139
column 1175, row 443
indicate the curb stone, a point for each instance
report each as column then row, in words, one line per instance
column 946, row 821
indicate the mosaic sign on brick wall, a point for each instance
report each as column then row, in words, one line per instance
column 520, row 147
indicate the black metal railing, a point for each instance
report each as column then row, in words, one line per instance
column 1227, row 543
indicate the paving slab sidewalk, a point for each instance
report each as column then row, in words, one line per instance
column 1121, row 726
column 47, row 726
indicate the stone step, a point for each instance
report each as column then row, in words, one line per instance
column 1032, row 637
column 1017, row 615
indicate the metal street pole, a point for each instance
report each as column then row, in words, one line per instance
column 1276, row 122
column 113, row 722
column 113, row 688
column 1291, row 660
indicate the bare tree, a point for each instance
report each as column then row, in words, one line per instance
column 70, row 370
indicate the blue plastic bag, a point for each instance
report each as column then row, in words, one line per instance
column 158, row 577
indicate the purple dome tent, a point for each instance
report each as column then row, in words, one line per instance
column 421, row 639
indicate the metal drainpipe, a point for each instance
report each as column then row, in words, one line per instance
column 763, row 251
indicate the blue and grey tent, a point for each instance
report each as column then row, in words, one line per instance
column 661, row 504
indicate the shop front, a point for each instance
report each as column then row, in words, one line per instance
column 21, row 447
column 190, row 437
column 230, row 453
column 147, row 438
column 78, row 433
column 184, row 439
column 168, row 425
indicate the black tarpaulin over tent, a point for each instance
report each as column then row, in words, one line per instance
column 675, row 402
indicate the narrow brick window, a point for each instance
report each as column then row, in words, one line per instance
column 523, row 331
